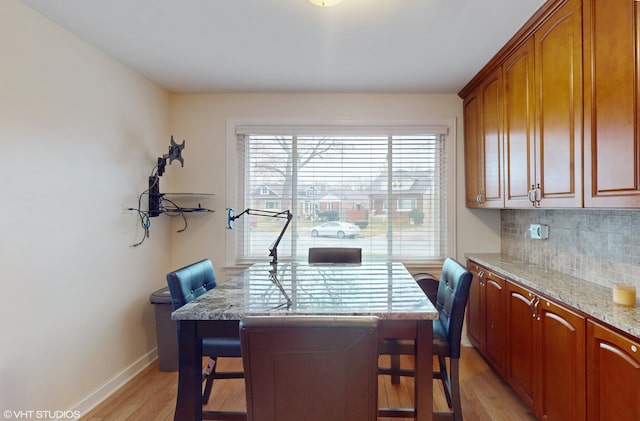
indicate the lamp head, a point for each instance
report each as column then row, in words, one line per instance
column 230, row 218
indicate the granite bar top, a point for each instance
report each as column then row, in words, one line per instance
column 385, row 290
column 592, row 299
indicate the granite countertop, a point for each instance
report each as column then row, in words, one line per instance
column 592, row 299
column 387, row 291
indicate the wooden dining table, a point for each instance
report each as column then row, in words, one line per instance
column 385, row 290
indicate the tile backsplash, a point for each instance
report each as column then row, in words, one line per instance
column 600, row 246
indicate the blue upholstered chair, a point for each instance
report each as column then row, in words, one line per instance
column 451, row 302
column 186, row 284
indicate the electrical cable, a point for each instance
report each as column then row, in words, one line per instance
column 144, row 216
column 172, row 212
column 144, row 220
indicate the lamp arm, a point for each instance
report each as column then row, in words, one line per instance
column 273, row 250
column 262, row 212
column 273, row 275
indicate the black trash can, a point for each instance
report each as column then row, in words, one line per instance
column 165, row 330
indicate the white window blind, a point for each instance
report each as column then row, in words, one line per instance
column 391, row 187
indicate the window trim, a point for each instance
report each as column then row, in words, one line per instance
column 240, row 125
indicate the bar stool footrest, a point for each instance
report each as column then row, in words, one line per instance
column 221, row 415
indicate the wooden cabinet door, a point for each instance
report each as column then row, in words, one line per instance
column 558, row 62
column 483, row 144
column 613, row 375
column 521, row 342
column 491, row 137
column 546, row 357
column 561, row 360
column 475, row 314
column 612, row 103
column 495, row 321
column 519, row 150
column 486, row 316
column 473, row 148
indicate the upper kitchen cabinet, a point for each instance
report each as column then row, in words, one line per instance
column 612, row 103
column 472, row 149
column 543, row 114
column 558, row 109
column 519, row 147
column 483, row 144
column 541, row 104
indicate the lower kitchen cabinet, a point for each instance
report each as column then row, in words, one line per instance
column 486, row 319
column 565, row 364
column 521, row 342
column 539, row 348
column 546, row 355
column 613, row 374
column 475, row 308
column 560, row 363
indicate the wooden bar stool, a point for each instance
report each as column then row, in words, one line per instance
column 314, row 368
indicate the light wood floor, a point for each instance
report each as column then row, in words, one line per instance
column 151, row 395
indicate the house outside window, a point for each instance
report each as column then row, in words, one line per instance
column 405, row 205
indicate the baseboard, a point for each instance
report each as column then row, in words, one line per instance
column 119, row 380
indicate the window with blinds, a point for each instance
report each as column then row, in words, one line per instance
column 384, row 193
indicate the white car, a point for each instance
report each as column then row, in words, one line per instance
column 335, row 229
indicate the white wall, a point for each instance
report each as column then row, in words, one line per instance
column 202, row 119
column 80, row 134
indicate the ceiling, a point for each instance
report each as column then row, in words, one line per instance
column 381, row 46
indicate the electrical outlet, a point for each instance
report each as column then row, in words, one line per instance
column 539, row 231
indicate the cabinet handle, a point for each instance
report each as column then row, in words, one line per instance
column 634, row 348
column 532, row 195
column 535, row 195
column 532, row 304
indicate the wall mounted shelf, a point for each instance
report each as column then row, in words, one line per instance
column 171, row 203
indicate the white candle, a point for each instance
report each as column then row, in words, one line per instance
column 624, row 294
